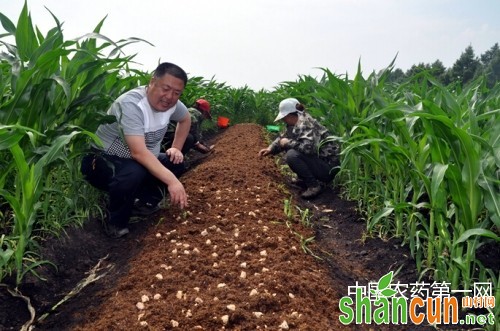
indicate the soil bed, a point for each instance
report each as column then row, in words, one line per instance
column 232, row 260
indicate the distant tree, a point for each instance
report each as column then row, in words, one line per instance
column 492, row 71
column 397, row 76
column 465, row 67
column 416, row 69
column 490, row 65
column 438, row 70
column 490, row 54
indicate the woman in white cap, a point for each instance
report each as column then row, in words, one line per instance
column 313, row 160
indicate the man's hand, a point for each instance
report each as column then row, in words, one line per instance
column 177, row 194
column 175, row 155
column 284, row 142
column 264, row 152
column 142, row 155
column 203, row 148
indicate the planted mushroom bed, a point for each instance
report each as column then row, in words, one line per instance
column 229, row 259
column 235, row 259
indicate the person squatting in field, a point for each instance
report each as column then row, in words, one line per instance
column 314, row 160
column 129, row 165
column 199, row 112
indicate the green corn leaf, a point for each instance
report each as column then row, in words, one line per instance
column 22, row 166
column 7, row 24
column 51, row 44
column 458, row 193
column 26, row 39
column 491, row 198
column 9, row 137
column 438, row 173
column 477, row 232
column 5, row 255
column 56, row 149
column 65, row 86
column 13, row 202
column 59, row 25
column 95, row 36
column 360, row 143
column 385, row 212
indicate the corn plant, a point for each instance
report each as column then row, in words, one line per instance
column 24, row 200
column 422, row 161
column 54, row 94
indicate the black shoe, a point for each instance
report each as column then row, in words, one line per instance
column 312, row 191
column 115, row 232
column 144, row 209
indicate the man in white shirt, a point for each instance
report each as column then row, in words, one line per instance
column 129, row 165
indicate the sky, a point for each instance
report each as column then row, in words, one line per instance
column 262, row 43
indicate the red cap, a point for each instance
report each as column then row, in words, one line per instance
column 203, row 105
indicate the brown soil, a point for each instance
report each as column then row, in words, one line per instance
column 233, row 252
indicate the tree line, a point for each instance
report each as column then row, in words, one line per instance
column 467, row 68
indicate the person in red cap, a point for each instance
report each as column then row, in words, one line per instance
column 199, row 112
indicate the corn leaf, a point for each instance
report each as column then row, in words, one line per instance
column 477, row 232
column 7, row 24
column 26, row 39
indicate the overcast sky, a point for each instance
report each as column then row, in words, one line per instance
column 260, row 43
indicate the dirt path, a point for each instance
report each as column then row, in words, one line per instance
column 232, row 260
column 230, row 247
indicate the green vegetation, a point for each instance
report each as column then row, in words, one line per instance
column 420, row 150
column 422, row 160
column 467, row 68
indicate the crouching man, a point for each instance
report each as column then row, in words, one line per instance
column 129, row 165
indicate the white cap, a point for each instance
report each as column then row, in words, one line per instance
column 287, row 106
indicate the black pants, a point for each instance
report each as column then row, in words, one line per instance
column 125, row 180
column 309, row 168
column 169, row 139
